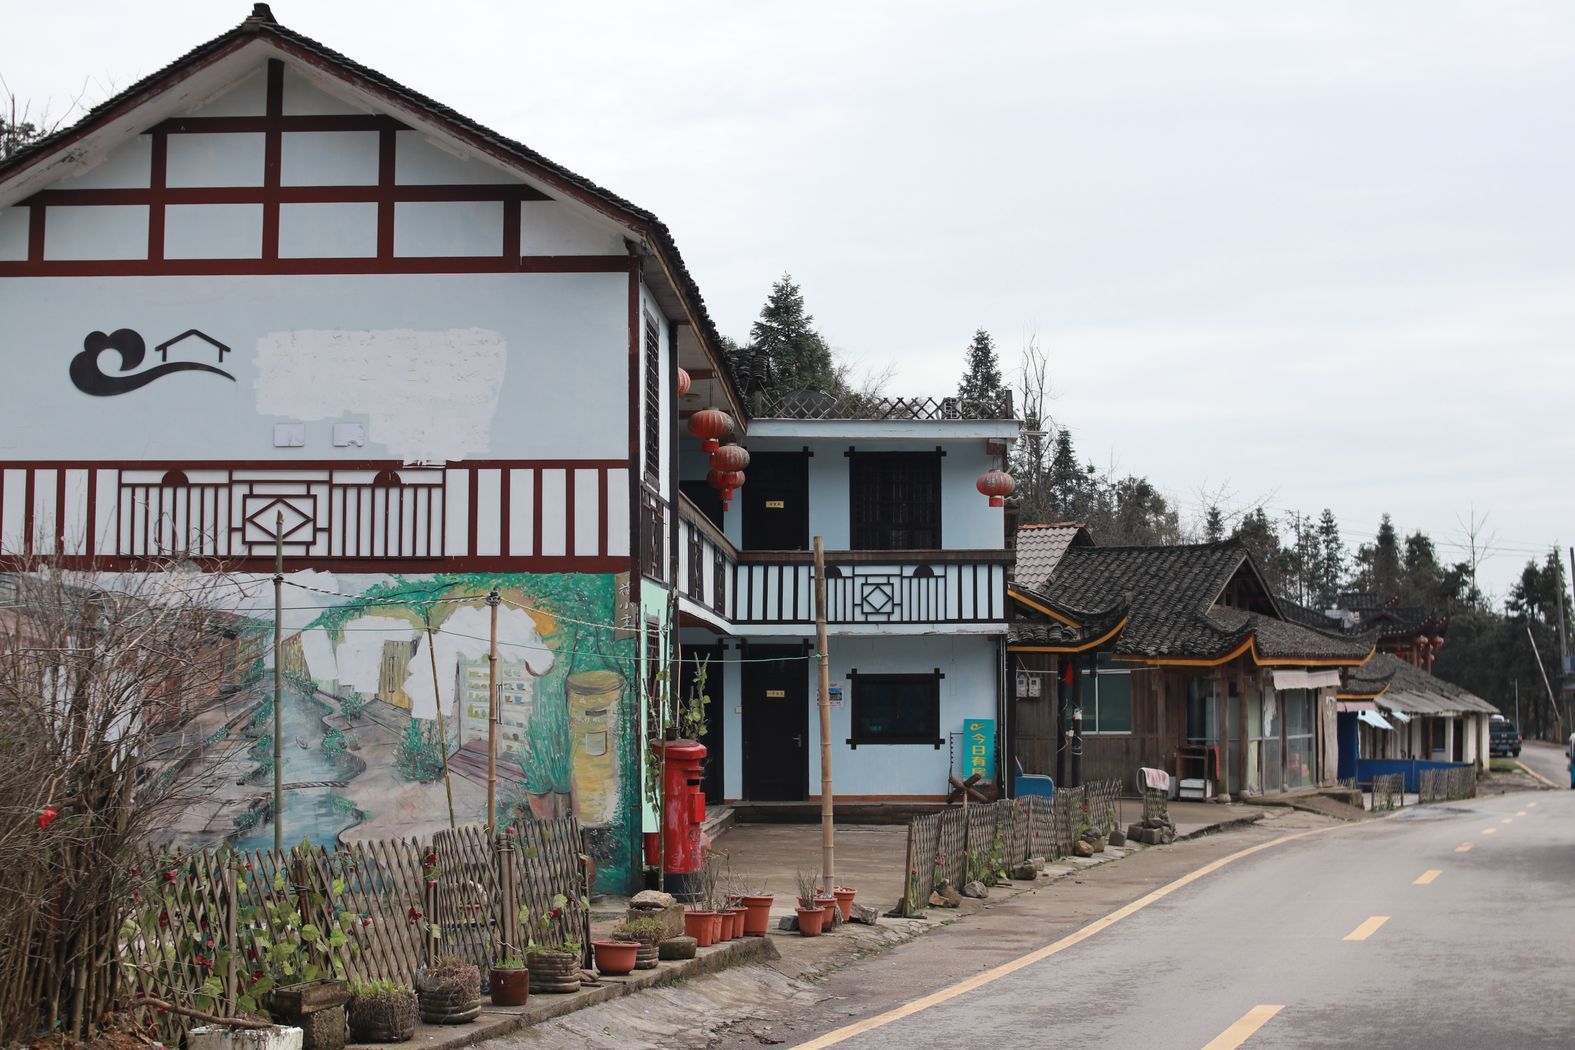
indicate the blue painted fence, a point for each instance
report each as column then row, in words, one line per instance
column 1367, row 768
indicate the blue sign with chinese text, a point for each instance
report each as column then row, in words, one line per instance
column 979, row 748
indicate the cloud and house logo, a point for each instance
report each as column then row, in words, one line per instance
column 88, row 376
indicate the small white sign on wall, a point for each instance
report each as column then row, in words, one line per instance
column 834, row 696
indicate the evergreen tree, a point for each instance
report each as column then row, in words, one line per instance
column 1386, row 560
column 1330, row 574
column 1257, row 533
column 1068, row 482
column 982, row 390
column 786, row 352
column 1213, row 524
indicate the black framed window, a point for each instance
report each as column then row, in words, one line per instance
column 896, row 709
column 653, row 400
column 895, row 500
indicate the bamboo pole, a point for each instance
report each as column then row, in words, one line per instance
column 437, row 703
column 278, row 681
column 827, row 819
column 492, row 716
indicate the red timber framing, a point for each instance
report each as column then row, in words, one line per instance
column 371, row 516
column 386, row 193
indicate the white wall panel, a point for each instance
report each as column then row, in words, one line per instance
column 114, row 231
column 587, row 511
column 489, row 512
column 618, row 513
column 230, row 159
column 126, row 167
column 448, row 228
column 13, row 510
column 417, row 162
column 327, row 231
column 104, row 511
column 304, row 98
column 550, row 228
column 456, row 512
column 44, row 485
column 554, row 538
column 248, row 98
column 77, row 525
column 328, row 158
column 13, row 233
column 522, row 504
column 213, row 231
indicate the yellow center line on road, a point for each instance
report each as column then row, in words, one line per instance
column 1521, row 813
column 1488, row 831
column 1531, row 805
column 1367, row 929
column 1464, row 847
column 1243, row 1028
column 1507, row 820
column 1427, row 877
column 979, row 980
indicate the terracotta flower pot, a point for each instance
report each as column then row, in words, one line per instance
column 615, row 958
column 737, row 914
column 810, row 920
column 716, row 927
column 757, row 915
column 697, row 924
column 829, row 905
column 845, row 901
column 508, row 985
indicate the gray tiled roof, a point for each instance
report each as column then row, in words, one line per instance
column 1095, row 624
column 1041, row 547
column 1412, row 690
column 1169, row 591
column 1283, row 640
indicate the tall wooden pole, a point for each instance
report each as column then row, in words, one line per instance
column 437, row 703
column 1558, row 716
column 278, row 681
column 828, row 867
column 492, row 717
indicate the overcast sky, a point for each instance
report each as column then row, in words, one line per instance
column 1317, row 253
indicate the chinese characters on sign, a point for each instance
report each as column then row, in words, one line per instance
column 979, row 748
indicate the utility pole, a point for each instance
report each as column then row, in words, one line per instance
column 437, row 703
column 278, row 681
column 1076, row 730
column 492, row 717
column 1564, row 660
column 1552, row 701
column 827, row 830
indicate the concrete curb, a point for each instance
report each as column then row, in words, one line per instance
column 1224, row 825
column 496, row 1021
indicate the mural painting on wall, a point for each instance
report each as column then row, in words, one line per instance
column 364, row 678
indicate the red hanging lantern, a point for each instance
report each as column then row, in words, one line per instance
column 710, row 425
column 46, row 817
column 997, row 484
column 730, row 457
column 725, row 481
column 684, row 382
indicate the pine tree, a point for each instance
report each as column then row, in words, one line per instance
column 1386, row 560
column 982, row 390
column 1257, row 533
column 1331, row 561
column 1213, row 524
column 786, row 352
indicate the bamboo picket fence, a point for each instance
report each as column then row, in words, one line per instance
column 1446, row 785
column 399, row 903
column 958, row 843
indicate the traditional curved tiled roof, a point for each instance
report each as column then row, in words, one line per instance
column 1040, row 549
column 262, row 24
column 1400, row 686
column 1283, row 640
column 1065, row 627
column 1169, row 591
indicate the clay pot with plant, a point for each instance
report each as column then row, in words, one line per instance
column 811, row 920
column 757, row 913
column 615, row 958
column 449, row 992
column 647, row 934
column 508, row 981
column 845, row 895
column 381, row 1012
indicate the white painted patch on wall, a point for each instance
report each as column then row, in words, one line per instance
column 428, row 395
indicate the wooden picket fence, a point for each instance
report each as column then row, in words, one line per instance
column 957, row 843
column 1446, row 785
column 382, row 909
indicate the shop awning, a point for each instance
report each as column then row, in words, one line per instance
column 1305, row 679
column 1373, row 718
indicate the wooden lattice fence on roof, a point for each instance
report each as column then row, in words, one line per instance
column 205, row 923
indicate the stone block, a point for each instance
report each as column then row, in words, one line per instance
column 677, row 948
column 864, row 914
column 975, row 889
column 654, row 904
column 1027, row 871
column 1117, row 838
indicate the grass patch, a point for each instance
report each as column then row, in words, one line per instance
column 1503, row 765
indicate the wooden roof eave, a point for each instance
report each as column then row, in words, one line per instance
column 1249, row 647
column 1081, row 647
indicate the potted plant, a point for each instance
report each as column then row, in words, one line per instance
column 698, row 924
column 845, row 895
column 810, row 920
column 381, row 1012
column 647, row 934
column 508, row 981
column 757, row 913
column 808, row 889
column 449, row 992
column 615, row 958
column 828, row 904
column 554, row 968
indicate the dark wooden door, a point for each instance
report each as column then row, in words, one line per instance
column 693, row 656
column 775, row 497
column 776, row 723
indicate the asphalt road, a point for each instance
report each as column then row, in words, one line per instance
column 1381, row 934
column 1548, row 760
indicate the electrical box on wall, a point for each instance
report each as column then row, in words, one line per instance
column 1030, row 685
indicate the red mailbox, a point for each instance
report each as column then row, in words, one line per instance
column 683, row 813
